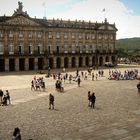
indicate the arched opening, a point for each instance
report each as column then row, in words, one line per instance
column 21, row 64
column 93, row 61
column 50, row 63
column 80, row 61
column 31, row 63
column 73, row 62
column 107, row 59
column 100, row 61
column 58, row 62
column 40, row 63
column 2, row 65
column 87, row 61
column 11, row 64
column 66, row 62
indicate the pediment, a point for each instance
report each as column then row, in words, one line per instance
column 21, row 20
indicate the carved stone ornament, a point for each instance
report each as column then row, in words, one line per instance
column 20, row 20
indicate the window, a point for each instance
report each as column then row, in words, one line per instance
column 30, row 35
column 1, row 48
column 105, row 36
column 86, row 36
column 30, row 49
column 20, row 34
column 57, row 35
column 80, row 45
column 65, row 35
column 50, row 35
column 20, row 48
column 93, row 36
column 93, row 48
column 73, row 48
column 39, row 34
column 10, row 34
column 39, row 48
column 86, row 48
column 99, row 36
column 65, row 48
column 73, row 35
column 11, row 48
column 80, row 36
column 111, row 36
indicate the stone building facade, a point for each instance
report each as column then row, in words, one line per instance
column 35, row 44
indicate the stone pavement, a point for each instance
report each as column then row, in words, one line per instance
column 116, row 115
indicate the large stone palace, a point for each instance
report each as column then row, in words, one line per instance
column 36, row 44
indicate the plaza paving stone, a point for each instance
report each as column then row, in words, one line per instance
column 115, row 117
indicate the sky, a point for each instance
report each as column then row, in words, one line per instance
column 124, row 13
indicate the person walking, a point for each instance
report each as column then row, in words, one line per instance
column 93, row 99
column 51, row 101
column 8, row 96
column 79, row 81
column 89, row 99
column 16, row 134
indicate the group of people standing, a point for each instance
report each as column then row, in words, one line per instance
column 4, row 98
column 91, row 99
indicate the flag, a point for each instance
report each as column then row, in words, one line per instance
column 103, row 10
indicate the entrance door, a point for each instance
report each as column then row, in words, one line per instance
column 40, row 63
column 87, row 61
column 2, row 65
column 73, row 62
column 11, row 64
column 51, row 63
column 31, row 63
column 80, row 61
column 21, row 64
column 58, row 62
column 66, row 61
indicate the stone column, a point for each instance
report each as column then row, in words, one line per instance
column 77, row 62
column 36, row 63
column 90, row 61
column 54, row 62
column 45, row 63
column 26, row 64
column 69, row 64
column 62, row 62
column 6, row 64
column 104, row 60
column 84, row 61
column 17, row 64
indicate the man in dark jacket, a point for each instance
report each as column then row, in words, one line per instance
column 51, row 101
column 93, row 98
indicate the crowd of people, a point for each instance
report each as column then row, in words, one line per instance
column 127, row 75
column 37, row 84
